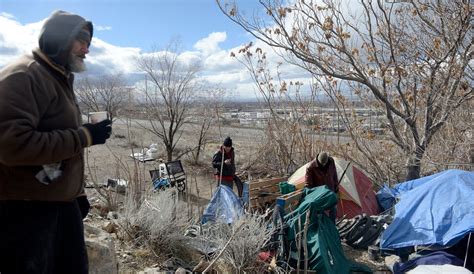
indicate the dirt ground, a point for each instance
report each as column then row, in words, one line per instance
column 112, row 160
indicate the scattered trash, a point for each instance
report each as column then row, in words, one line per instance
column 119, row 185
column 169, row 174
column 362, row 231
column 146, row 154
column 373, row 251
column 160, row 183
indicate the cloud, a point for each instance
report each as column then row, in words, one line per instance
column 4, row 50
column 246, row 90
column 102, row 28
column 16, row 39
column 221, row 61
column 227, row 77
column 112, row 59
column 210, row 44
column 7, row 15
column 218, row 67
column 222, row 68
column 190, row 57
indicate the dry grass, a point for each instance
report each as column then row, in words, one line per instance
column 239, row 243
column 157, row 223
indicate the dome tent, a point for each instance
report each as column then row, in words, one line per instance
column 356, row 193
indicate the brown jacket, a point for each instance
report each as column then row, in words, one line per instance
column 40, row 123
column 319, row 176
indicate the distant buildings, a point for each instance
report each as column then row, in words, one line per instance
column 325, row 119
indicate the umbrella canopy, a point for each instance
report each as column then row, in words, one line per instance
column 356, row 193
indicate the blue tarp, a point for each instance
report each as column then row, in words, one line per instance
column 437, row 211
column 224, row 206
column 386, row 197
column 160, row 182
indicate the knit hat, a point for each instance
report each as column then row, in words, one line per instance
column 228, row 142
column 323, row 158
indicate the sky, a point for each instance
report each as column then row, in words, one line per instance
column 125, row 29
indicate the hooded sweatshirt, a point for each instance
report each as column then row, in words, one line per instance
column 57, row 34
column 40, row 121
column 317, row 175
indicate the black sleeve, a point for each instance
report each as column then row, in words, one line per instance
column 216, row 160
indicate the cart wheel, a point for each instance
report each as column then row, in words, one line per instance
column 181, row 186
column 279, row 236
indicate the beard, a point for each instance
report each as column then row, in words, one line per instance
column 76, row 63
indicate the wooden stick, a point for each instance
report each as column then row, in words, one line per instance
column 223, row 249
column 305, row 239
column 299, row 245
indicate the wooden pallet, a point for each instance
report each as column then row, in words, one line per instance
column 264, row 192
column 290, row 201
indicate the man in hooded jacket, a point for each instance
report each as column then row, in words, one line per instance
column 322, row 171
column 42, row 141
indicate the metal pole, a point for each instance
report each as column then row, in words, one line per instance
column 222, row 166
column 467, row 249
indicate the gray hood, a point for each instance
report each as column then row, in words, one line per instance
column 57, row 34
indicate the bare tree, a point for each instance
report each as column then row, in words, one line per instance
column 412, row 61
column 290, row 112
column 105, row 93
column 454, row 146
column 205, row 108
column 170, row 84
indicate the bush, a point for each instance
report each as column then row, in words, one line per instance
column 157, row 223
column 240, row 254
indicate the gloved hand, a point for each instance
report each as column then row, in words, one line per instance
column 99, row 131
column 84, row 205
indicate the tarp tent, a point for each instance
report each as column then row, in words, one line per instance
column 357, row 195
column 439, row 269
column 432, row 211
column 387, row 197
column 437, row 258
column 224, row 206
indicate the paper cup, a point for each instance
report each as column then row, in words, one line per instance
column 96, row 117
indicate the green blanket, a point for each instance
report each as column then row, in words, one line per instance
column 325, row 254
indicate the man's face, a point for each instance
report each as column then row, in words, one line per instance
column 227, row 149
column 78, row 53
